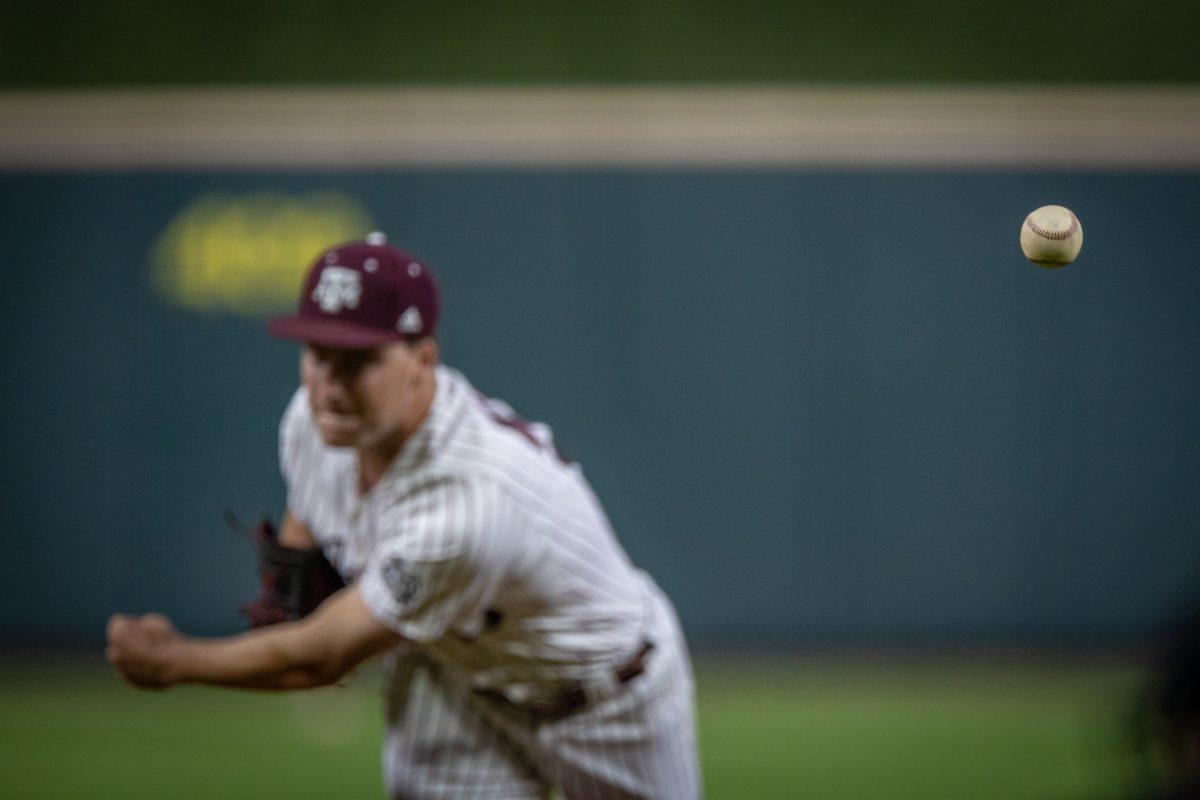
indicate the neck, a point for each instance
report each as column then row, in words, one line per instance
column 375, row 458
column 373, row 462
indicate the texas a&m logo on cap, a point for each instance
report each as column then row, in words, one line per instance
column 337, row 288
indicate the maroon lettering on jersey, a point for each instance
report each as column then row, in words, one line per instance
column 537, row 433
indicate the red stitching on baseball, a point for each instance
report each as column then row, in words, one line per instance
column 1053, row 235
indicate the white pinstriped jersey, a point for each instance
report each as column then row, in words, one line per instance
column 479, row 544
column 494, row 559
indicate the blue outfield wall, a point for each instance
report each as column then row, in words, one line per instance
column 818, row 405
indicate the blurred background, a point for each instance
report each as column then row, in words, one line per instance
column 927, row 511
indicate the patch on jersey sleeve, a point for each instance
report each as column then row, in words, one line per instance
column 402, row 581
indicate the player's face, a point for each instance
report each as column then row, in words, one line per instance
column 365, row 398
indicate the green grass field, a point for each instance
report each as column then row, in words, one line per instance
column 769, row 728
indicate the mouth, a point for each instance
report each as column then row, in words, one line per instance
column 337, row 426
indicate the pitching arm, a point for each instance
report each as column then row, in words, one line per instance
column 315, row 651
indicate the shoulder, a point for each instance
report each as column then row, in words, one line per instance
column 498, row 441
column 295, row 429
column 297, row 412
column 447, row 514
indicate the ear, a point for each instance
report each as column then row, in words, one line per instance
column 426, row 352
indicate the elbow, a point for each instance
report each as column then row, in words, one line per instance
column 328, row 672
column 310, row 670
column 327, row 678
column 310, row 677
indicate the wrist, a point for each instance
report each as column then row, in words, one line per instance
column 177, row 662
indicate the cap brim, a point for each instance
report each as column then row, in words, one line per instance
column 330, row 333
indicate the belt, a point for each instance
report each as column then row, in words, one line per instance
column 574, row 698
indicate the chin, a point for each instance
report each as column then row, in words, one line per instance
column 339, row 438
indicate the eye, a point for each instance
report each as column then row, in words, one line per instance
column 350, row 363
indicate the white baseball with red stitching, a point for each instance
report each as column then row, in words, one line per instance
column 1051, row 236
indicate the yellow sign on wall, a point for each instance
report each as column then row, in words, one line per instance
column 248, row 253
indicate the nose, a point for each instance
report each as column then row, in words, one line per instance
column 329, row 394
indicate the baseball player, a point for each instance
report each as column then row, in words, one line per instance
column 525, row 654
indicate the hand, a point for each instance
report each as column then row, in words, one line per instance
column 142, row 648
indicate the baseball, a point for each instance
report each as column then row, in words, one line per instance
column 1051, row 236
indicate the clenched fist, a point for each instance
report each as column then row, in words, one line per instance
column 141, row 648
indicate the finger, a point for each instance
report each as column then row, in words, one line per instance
column 155, row 622
column 118, row 656
column 117, row 625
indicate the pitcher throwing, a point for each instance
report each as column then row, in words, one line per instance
column 525, row 653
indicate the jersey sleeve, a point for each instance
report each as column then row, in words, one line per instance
column 446, row 562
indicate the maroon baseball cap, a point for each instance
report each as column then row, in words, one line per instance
column 363, row 294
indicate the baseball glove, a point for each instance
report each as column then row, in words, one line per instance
column 293, row 581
